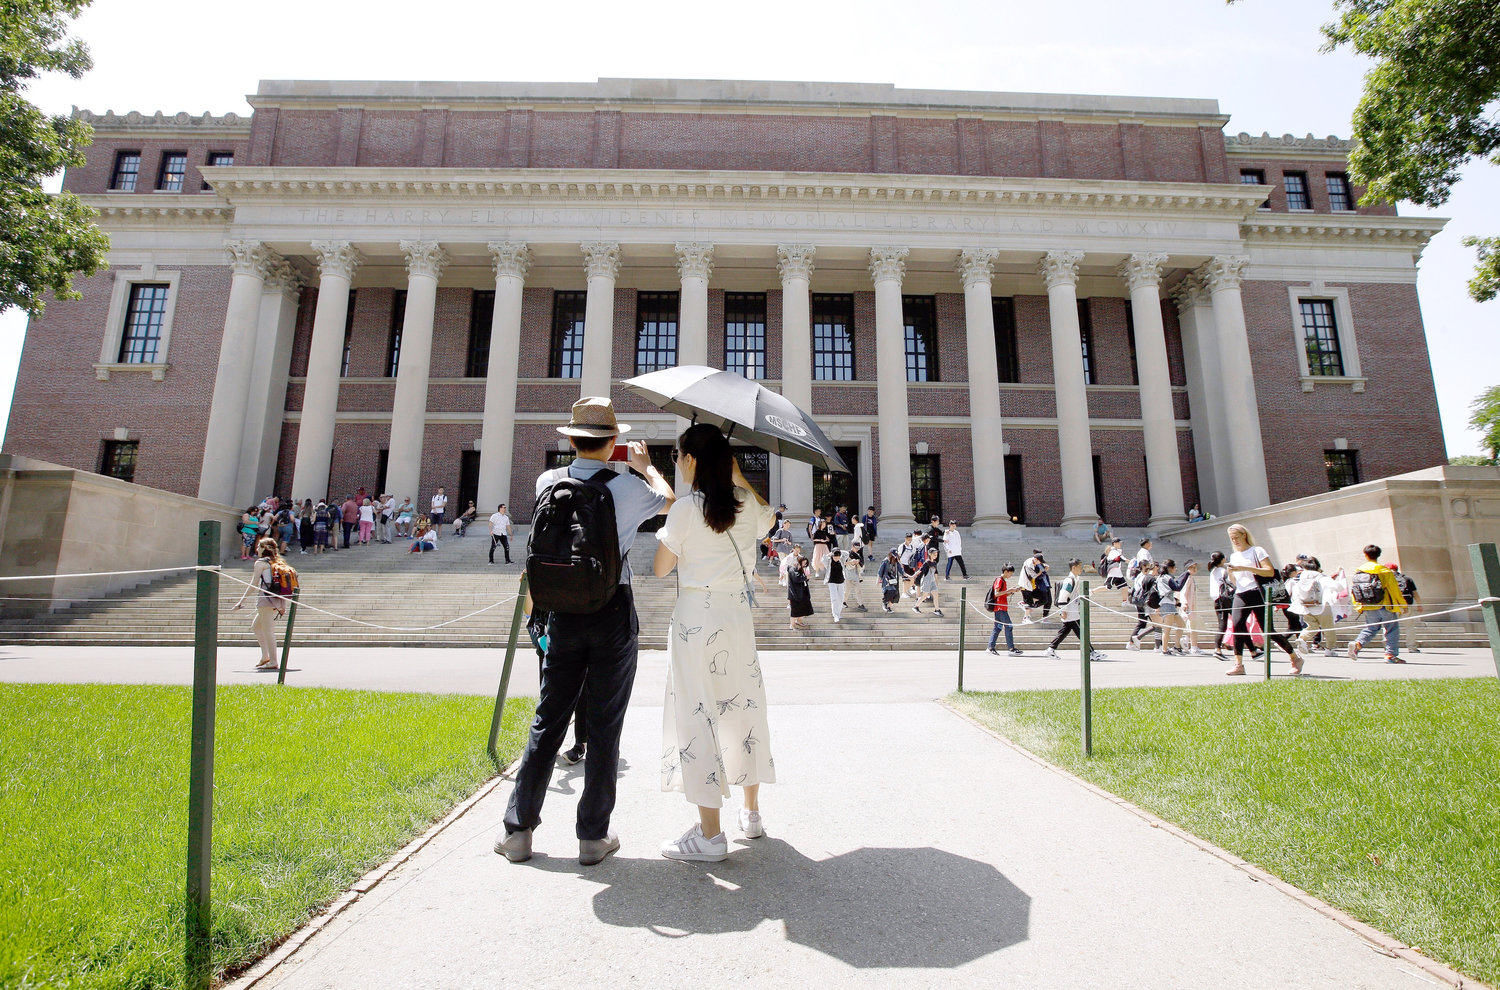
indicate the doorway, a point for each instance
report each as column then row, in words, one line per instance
column 1015, row 490
column 831, row 489
column 468, row 482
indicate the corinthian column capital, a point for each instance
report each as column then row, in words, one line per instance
column 977, row 266
column 1060, row 267
column 795, row 261
column 337, row 258
column 250, row 258
column 1188, row 293
column 888, row 263
column 1223, row 272
column 695, row 260
column 424, row 258
column 601, row 259
column 282, row 277
column 1142, row 269
column 511, row 258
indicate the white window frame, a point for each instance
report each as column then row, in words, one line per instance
column 1343, row 316
column 114, row 329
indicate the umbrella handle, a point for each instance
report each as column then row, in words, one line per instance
column 730, row 432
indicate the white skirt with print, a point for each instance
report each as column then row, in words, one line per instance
column 714, row 730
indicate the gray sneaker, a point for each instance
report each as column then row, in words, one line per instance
column 592, row 851
column 515, row 846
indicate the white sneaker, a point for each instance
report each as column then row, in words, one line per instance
column 1132, row 645
column 1095, row 656
column 693, row 847
column 1051, row 653
column 750, row 824
column 1196, row 653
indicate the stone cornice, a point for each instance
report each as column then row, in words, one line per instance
column 135, row 122
column 261, row 183
column 160, row 208
column 1408, row 232
column 1287, row 146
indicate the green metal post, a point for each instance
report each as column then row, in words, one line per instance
column 1086, row 648
column 1487, row 576
column 510, row 659
column 199, row 961
column 286, row 643
column 1266, row 635
column 963, row 617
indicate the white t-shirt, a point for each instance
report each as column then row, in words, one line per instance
column 1116, row 564
column 1249, row 557
column 953, row 543
column 706, row 559
column 367, row 513
column 439, row 503
column 499, row 524
column 1216, row 581
column 430, row 536
column 1143, row 555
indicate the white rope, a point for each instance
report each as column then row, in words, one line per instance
column 377, row 625
column 92, row 574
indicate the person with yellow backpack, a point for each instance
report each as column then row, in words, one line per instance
column 1378, row 600
column 274, row 581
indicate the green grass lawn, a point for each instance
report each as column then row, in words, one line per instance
column 1381, row 798
column 313, row 788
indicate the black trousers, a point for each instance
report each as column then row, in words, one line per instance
column 580, row 715
column 349, row 527
column 593, row 656
column 1143, row 624
column 499, row 539
column 1069, row 626
column 1246, row 604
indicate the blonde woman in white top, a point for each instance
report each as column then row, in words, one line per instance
column 268, row 607
column 714, row 728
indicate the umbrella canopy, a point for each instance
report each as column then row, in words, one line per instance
column 744, row 409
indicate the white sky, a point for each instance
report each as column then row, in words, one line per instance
column 1258, row 58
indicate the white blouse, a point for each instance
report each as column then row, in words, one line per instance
column 706, row 559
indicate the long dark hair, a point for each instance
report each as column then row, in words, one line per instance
column 713, row 474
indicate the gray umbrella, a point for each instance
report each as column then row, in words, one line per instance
column 744, row 409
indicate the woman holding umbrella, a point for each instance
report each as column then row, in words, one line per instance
column 714, row 730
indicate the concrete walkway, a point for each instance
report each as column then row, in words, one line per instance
column 904, row 847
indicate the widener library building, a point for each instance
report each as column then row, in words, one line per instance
column 1001, row 307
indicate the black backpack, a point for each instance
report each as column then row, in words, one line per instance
column 573, row 554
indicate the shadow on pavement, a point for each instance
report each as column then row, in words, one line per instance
column 869, row 908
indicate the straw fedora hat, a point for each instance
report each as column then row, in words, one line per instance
column 593, row 417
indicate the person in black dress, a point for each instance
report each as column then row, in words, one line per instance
column 798, row 593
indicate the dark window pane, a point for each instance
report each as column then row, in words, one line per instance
column 127, row 170
column 1135, row 371
column 118, row 459
column 832, row 489
column 655, row 331
column 1007, row 354
column 173, row 171
column 348, row 336
column 756, row 467
column 481, row 315
column 1343, row 468
column 745, row 334
column 565, row 359
column 833, row 337
column 1320, row 335
column 1086, row 340
column 560, row 458
column 1339, row 196
column 920, row 313
column 216, row 158
column 1296, row 191
column 393, row 349
column 926, row 486
column 1015, row 490
column 141, row 339
column 1252, row 177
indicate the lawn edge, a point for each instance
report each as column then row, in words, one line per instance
column 1377, row 939
column 268, row 963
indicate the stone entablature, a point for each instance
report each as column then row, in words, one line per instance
column 163, row 124
column 1287, row 146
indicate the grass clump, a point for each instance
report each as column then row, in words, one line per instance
column 312, row 789
column 1381, row 798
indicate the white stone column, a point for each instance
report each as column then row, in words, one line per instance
column 425, row 261
column 1075, row 450
column 261, row 439
column 794, row 262
column 223, row 453
column 602, row 261
column 986, row 439
column 1247, row 455
column 1200, row 354
column 498, row 434
column 325, row 362
column 887, row 268
column 1142, row 272
column 695, row 265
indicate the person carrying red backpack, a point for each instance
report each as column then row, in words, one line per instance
column 997, row 600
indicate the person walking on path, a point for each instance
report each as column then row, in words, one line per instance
column 1312, row 598
column 1378, row 600
column 1146, row 597
column 891, row 576
column 1413, row 605
column 500, row 532
column 594, row 652
column 1247, row 567
column 439, row 506
column 1069, row 601
column 822, row 541
column 998, row 601
column 834, row 579
column 799, row 592
column 1168, row 586
column 714, row 728
column 366, row 522
column 1033, row 595
column 1221, row 590
column 307, row 530
column 1114, row 569
column 1187, row 607
column 841, row 527
column 868, row 521
column 953, row 546
column 854, row 573
column 925, row 579
column 268, row 605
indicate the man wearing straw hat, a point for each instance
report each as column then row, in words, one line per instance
column 593, row 655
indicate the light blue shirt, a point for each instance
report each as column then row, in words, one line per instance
column 635, row 502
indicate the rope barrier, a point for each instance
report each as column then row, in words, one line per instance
column 92, row 574
column 377, row 625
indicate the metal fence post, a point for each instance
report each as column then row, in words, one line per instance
column 1086, row 649
column 198, row 957
column 1487, row 576
column 963, row 616
column 286, row 642
column 510, row 658
column 1266, row 635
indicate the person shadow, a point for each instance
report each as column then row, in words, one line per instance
column 870, row 908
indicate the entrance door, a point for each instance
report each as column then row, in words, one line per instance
column 831, row 489
column 468, row 484
column 756, row 467
column 1015, row 490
